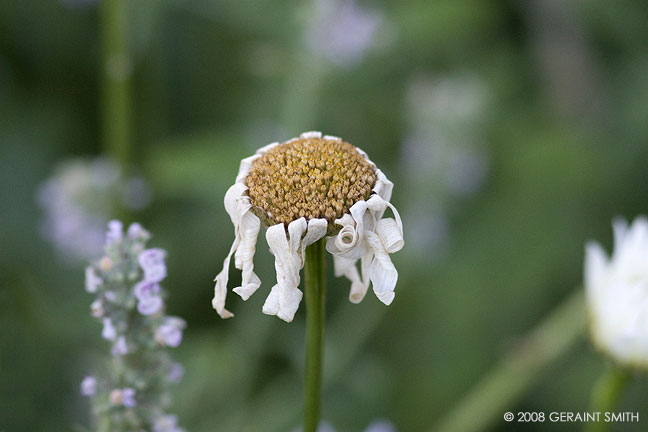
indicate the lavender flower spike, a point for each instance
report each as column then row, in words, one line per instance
column 129, row 302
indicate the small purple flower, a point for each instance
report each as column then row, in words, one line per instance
column 108, row 331
column 115, row 232
column 152, row 262
column 166, row 423
column 170, row 332
column 150, row 305
column 97, row 309
column 92, row 281
column 136, row 232
column 146, row 289
column 176, row 371
column 120, row 347
column 125, row 397
column 89, row 386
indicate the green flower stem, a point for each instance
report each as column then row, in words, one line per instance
column 116, row 70
column 606, row 393
column 497, row 392
column 315, row 307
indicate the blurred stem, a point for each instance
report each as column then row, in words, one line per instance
column 606, row 393
column 116, row 70
column 304, row 82
column 315, row 308
column 497, row 392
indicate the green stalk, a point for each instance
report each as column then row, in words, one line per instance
column 315, row 307
column 116, row 70
column 497, row 392
column 606, row 393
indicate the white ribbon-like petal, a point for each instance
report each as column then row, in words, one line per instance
column 347, row 267
column 246, row 229
column 382, row 272
column 220, row 289
column 285, row 297
column 249, row 230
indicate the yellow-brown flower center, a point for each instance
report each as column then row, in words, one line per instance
column 311, row 178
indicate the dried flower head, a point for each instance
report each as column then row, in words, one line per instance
column 617, row 294
column 303, row 190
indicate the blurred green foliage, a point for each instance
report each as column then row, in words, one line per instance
column 213, row 81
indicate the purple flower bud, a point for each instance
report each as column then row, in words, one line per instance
column 120, row 347
column 152, row 262
column 89, row 386
column 170, row 332
column 115, row 232
column 92, row 281
column 108, row 331
column 136, row 232
column 150, row 305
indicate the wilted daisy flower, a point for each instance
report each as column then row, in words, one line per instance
column 303, row 190
column 617, row 294
column 129, row 303
column 78, row 199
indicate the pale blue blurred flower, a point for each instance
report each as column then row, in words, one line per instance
column 342, row 30
column 167, row 423
column 170, row 332
column 115, row 232
column 89, row 386
column 78, row 199
column 120, row 347
column 92, row 281
column 108, row 331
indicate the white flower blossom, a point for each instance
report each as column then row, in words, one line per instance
column 347, row 205
column 617, row 294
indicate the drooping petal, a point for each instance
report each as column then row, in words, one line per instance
column 249, row 230
column 382, row 272
column 220, row 288
column 285, row 297
column 347, row 267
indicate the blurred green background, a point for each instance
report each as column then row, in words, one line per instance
column 513, row 131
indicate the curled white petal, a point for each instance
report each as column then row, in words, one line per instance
column 390, row 235
column 383, row 186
